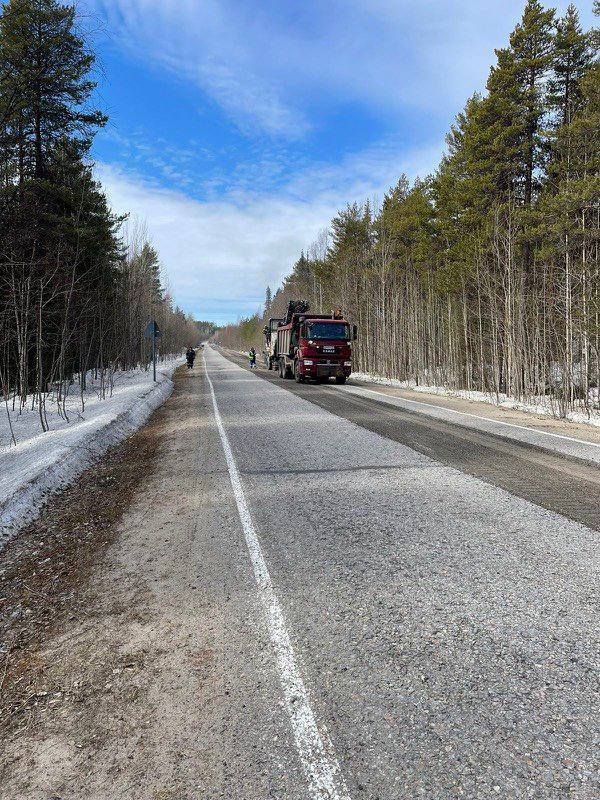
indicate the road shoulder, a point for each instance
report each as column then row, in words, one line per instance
column 571, row 439
column 137, row 666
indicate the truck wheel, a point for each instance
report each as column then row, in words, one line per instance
column 340, row 379
column 297, row 376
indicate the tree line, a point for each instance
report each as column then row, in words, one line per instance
column 485, row 275
column 76, row 289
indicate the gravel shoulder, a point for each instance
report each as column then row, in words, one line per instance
column 133, row 634
column 576, row 441
column 541, row 422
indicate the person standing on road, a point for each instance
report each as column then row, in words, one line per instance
column 252, row 356
column 190, row 356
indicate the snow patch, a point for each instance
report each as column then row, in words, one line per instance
column 538, row 405
column 41, row 463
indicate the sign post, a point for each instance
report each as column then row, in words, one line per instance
column 154, row 358
column 153, row 332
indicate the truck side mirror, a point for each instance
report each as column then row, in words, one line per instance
column 354, row 333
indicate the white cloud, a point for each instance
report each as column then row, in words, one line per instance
column 270, row 64
column 220, row 255
column 204, row 42
column 217, row 256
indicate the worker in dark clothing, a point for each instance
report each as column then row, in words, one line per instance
column 252, row 356
column 190, row 355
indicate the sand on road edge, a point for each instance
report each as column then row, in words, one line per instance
column 86, row 645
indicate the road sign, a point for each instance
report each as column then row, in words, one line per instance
column 152, row 331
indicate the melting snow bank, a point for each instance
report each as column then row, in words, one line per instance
column 44, row 462
column 540, row 405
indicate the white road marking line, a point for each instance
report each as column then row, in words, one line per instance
column 353, row 390
column 316, row 751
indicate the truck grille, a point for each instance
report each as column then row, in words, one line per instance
column 326, row 367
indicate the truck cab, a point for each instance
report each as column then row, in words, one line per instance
column 324, row 350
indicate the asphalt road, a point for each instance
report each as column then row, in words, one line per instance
column 315, row 596
column 444, row 623
column 564, row 485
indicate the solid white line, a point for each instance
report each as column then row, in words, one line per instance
column 358, row 389
column 314, row 748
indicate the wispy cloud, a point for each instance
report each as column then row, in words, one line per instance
column 271, row 65
column 219, row 255
column 176, row 164
column 234, row 218
column 204, row 42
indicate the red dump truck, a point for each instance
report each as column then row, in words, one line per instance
column 314, row 346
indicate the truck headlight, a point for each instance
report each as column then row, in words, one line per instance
column 347, row 363
column 308, row 362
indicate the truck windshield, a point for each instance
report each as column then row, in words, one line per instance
column 328, row 330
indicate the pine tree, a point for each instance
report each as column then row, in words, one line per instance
column 44, row 72
column 571, row 60
column 517, row 102
column 150, row 266
column 45, row 88
column 569, row 94
column 568, row 219
column 351, row 235
column 52, row 214
column 466, row 185
column 301, row 272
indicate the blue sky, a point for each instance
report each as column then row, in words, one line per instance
column 238, row 128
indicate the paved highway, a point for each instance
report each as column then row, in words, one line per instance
column 443, row 616
column 313, row 595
